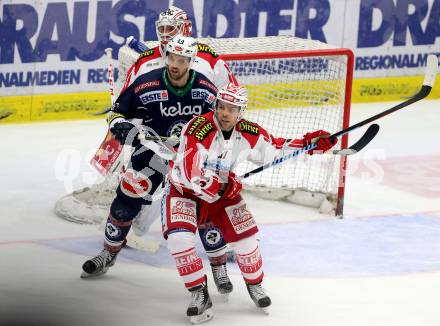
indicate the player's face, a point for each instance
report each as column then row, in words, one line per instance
column 227, row 115
column 177, row 68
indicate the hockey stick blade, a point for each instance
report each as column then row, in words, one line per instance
column 430, row 74
column 366, row 138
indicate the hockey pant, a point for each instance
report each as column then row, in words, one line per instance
column 139, row 181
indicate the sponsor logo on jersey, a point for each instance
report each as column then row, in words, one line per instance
column 149, row 84
column 204, row 131
column 172, row 111
column 241, row 219
column 249, row 127
column 183, row 210
column 207, row 49
column 202, row 94
column 209, row 85
column 194, row 125
column 146, row 54
column 155, row 96
column 135, row 184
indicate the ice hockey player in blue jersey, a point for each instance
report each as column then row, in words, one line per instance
column 163, row 100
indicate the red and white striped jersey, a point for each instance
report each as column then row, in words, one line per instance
column 205, row 158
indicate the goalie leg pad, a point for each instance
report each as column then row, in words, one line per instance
column 181, row 245
column 249, row 259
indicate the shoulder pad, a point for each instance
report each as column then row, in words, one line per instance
column 200, row 128
column 194, row 124
column 208, row 84
column 204, row 130
column 147, row 53
column 249, row 127
column 203, row 48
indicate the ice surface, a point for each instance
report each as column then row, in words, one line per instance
column 380, row 265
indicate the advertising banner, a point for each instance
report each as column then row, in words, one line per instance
column 52, row 61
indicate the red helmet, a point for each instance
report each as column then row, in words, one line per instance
column 173, row 21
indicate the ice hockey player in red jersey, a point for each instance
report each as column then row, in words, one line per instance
column 204, row 187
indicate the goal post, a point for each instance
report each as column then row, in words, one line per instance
column 291, row 93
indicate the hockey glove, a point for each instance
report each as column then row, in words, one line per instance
column 320, row 137
column 121, row 130
column 233, row 188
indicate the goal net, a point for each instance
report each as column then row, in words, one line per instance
column 295, row 86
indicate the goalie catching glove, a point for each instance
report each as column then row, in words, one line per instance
column 320, row 137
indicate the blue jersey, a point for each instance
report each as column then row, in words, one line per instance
column 161, row 106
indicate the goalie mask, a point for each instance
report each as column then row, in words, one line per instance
column 235, row 95
column 172, row 22
column 183, row 46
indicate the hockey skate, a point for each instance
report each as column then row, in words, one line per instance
column 221, row 279
column 259, row 296
column 99, row 264
column 199, row 309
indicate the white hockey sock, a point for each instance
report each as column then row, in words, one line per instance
column 249, row 260
column 189, row 265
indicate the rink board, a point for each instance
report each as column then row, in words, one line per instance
column 84, row 105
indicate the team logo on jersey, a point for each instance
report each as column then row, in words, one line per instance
column 148, row 84
column 154, row 96
column 176, row 128
column 202, row 94
column 207, row 49
column 204, row 131
column 172, row 111
column 194, row 125
column 212, row 236
column 249, row 127
column 112, row 230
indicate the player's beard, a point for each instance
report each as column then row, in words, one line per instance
column 176, row 76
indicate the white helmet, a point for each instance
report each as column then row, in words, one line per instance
column 234, row 94
column 183, row 46
column 177, row 22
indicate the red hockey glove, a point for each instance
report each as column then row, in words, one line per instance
column 323, row 142
column 233, row 188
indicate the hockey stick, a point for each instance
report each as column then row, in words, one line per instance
column 366, row 138
column 110, row 74
column 430, row 74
